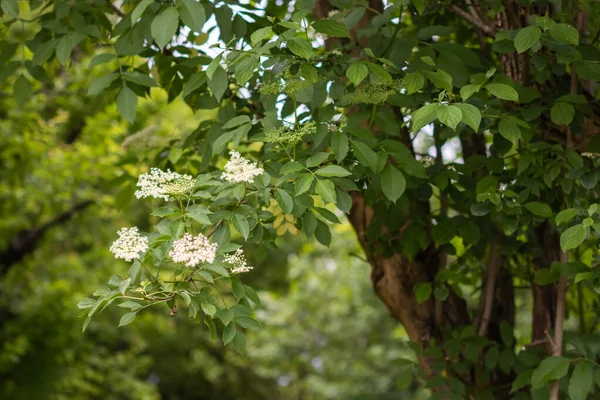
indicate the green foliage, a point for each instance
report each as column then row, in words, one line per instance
column 325, row 124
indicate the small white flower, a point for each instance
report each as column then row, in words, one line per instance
column 130, row 244
column 193, row 250
column 238, row 260
column 238, row 169
column 161, row 184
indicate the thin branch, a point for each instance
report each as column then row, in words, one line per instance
column 559, row 323
column 490, row 287
column 115, row 9
column 212, row 232
column 476, row 22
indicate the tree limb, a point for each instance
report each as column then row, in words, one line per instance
column 476, row 22
column 115, row 9
column 487, row 297
column 25, row 241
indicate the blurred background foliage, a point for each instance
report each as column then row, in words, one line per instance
column 68, row 166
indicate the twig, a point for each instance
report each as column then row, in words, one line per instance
column 559, row 323
column 535, row 343
column 212, row 232
column 115, row 9
column 476, row 22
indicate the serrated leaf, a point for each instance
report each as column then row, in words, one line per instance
column 393, row 183
column 562, row 113
column 194, row 82
column 304, row 183
column 240, row 222
column 229, row 333
column 316, row 159
column 582, row 380
column 340, row 145
column 564, row 33
column 236, row 121
column 424, row 116
column 127, row 104
column 565, row 216
column 101, row 83
column 331, row 28
column 502, row 91
column 138, row 11
column 218, row 83
column 539, row 209
column 551, row 368
column 413, row 81
column 326, row 189
column 468, row 91
column 192, row 14
column 450, row 116
column 509, row 130
column 127, row 318
column 527, row 38
column 441, row 79
column 356, row 72
column 284, row 200
column 332, row 171
column 573, row 237
column 260, row 34
column 300, row 47
column 101, row 59
column 164, row 26
column 365, row 155
column 471, row 115
column 139, row 78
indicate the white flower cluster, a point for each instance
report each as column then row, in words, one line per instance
column 161, row 184
column 130, row 244
column 238, row 169
column 193, row 250
column 238, row 260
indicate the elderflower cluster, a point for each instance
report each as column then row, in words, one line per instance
column 238, row 169
column 193, row 250
column 372, row 93
column 238, row 261
column 161, row 184
column 427, row 161
column 130, row 244
column 285, row 83
column 290, row 136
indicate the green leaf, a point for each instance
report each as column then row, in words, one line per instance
column 540, row 209
column 244, row 70
column 573, row 237
column 471, row 115
column 214, row 64
column 551, row 368
column 300, row 47
column 127, row 103
column 393, row 183
column 99, row 84
column 139, row 78
column 86, row 303
column 332, row 171
column 127, row 318
column 502, row 91
column 527, row 38
column 237, row 288
column 291, row 167
column 468, row 91
column 199, row 213
column 331, row 28
column 240, row 222
column 236, row 121
column 138, row 11
column 101, row 59
column 422, row 292
column 356, row 72
column 582, row 380
column 365, row 155
column 284, row 200
column 164, row 26
column 323, row 234
column 523, row 379
column 340, row 145
column 247, row 322
column 564, row 33
column 441, row 79
column 379, row 71
column 132, row 305
column 194, row 82
column 316, row 159
column 22, row 90
column 260, row 34
column 208, row 309
column 565, row 216
column 304, row 183
column 192, row 14
column 10, row 7
column 450, row 116
column 413, row 81
column 326, row 189
column 165, row 211
column 562, row 113
column 239, row 342
column 218, row 83
column 229, row 333
column 491, row 357
column 309, row 72
column 424, row 116
column 509, row 130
